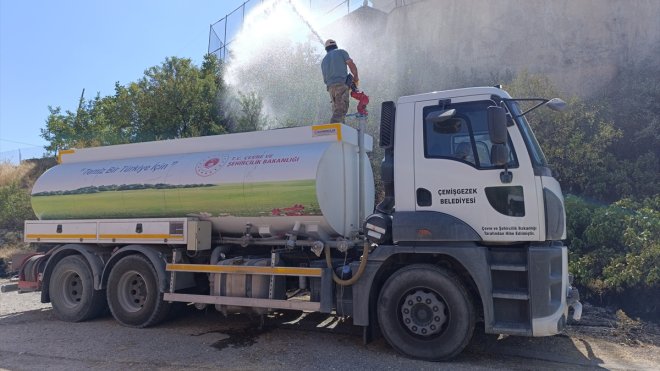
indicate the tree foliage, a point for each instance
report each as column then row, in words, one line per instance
column 173, row 100
column 631, row 101
column 15, row 205
column 288, row 76
column 615, row 251
column 576, row 141
column 600, row 148
column 250, row 116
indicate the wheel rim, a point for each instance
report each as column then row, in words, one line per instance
column 423, row 313
column 132, row 291
column 72, row 289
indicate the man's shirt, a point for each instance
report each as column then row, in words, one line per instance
column 333, row 67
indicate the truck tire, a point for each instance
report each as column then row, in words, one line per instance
column 425, row 312
column 72, row 291
column 133, row 294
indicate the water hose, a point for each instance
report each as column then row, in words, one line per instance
column 358, row 274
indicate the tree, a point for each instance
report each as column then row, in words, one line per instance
column 290, row 83
column 178, row 100
column 614, row 251
column 631, row 102
column 14, row 205
column 576, row 142
column 250, row 117
column 174, row 100
column 88, row 126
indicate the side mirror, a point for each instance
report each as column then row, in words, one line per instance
column 499, row 154
column 556, row 104
column 497, row 124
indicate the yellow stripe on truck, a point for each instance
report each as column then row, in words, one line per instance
column 59, row 236
column 140, row 236
column 277, row 271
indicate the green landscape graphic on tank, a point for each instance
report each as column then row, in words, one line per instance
column 272, row 181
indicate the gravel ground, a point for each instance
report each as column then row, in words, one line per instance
column 32, row 338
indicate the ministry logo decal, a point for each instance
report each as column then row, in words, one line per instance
column 209, row 166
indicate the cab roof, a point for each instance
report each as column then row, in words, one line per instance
column 454, row 93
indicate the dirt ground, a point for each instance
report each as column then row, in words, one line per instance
column 32, row 338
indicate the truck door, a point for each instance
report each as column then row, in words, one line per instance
column 454, row 174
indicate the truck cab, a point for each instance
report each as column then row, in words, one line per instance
column 453, row 174
column 468, row 188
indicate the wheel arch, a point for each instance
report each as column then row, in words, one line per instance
column 468, row 263
column 157, row 256
column 93, row 254
column 443, row 260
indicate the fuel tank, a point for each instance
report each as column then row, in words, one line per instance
column 265, row 181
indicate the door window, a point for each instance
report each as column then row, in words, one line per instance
column 507, row 200
column 464, row 137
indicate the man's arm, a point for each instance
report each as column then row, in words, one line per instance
column 353, row 68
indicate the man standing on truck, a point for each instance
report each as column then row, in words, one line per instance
column 333, row 67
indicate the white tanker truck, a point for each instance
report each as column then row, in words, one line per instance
column 469, row 229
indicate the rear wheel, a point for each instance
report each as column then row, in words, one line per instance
column 72, row 293
column 425, row 312
column 133, row 294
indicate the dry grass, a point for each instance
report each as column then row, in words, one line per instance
column 23, row 175
column 11, row 242
column 9, row 250
column 26, row 173
column 19, row 178
column 10, row 173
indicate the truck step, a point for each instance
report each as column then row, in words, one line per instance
column 512, row 328
column 509, row 267
column 510, row 294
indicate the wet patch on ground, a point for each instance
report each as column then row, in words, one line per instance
column 237, row 338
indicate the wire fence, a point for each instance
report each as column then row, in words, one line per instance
column 223, row 32
column 16, row 156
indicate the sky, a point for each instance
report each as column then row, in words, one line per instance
column 51, row 50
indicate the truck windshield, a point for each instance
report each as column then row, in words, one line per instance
column 533, row 147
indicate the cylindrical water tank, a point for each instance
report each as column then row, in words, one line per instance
column 311, row 182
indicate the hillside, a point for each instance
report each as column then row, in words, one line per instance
column 15, row 184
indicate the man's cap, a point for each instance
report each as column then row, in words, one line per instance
column 330, row 42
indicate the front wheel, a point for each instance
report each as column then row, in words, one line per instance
column 425, row 312
column 133, row 294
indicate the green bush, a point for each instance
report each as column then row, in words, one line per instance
column 14, row 206
column 615, row 252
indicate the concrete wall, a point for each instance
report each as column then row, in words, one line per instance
column 441, row 44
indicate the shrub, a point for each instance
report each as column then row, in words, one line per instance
column 14, row 206
column 615, row 252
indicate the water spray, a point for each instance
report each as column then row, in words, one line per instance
column 295, row 9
